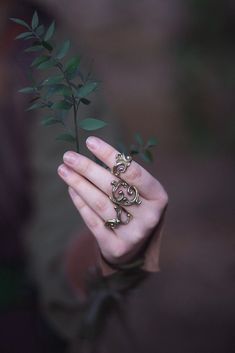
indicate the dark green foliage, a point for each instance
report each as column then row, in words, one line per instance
column 65, row 86
column 142, row 148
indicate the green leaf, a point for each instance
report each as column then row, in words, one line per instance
column 47, row 64
column 39, row 60
column 20, row 22
column 134, row 149
column 47, row 45
column 36, row 106
column 24, row 35
column 151, row 142
column 40, row 30
column 34, row 48
column 147, row 156
column 35, row 20
column 63, row 105
column 92, row 124
column 53, row 80
column 85, row 101
column 50, row 32
column 139, row 139
column 66, row 137
column 87, row 89
column 59, row 89
column 27, row 90
column 72, row 65
column 63, row 50
column 50, row 120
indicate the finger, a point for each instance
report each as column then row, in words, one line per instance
column 98, row 176
column 104, row 236
column 92, row 196
column 136, row 175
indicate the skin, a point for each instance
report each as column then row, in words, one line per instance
column 89, row 188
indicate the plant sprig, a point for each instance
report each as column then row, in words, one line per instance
column 65, row 86
column 62, row 90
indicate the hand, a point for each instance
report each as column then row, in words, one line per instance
column 90, row 187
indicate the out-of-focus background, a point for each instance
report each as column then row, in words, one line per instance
column 168, row 69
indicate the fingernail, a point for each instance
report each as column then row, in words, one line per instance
column 63, row 171
column 70, row 157
column 92, row 142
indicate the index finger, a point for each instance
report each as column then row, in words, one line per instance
column 135, row 175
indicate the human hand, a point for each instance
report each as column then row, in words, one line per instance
column 90, row 187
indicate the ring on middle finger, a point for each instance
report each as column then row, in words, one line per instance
column 124, row 194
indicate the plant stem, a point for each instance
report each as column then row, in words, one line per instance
column 75, row 110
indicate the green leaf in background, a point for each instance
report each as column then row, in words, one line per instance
column 152, row 141
column 134, row 150
column 50, row 120
column 50, row 32
column 85, row 101
column 87, row 89
column 35, row 20
column 63, row 105
column 53, row 79
column 40, row 59
column 63, row 50
column 27, row 90
column 147, row 156
column 20, row 22
column 40, row 30
column 92, row 124
column 72, row 65
column 24, row 35
column 34, row 48
column 66, row 137
column 36, row 106
column 59, row 89
column 47, row 64
column 47, row 45
column 139, row 139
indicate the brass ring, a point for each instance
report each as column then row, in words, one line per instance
column 121, row 165
column 123, row 194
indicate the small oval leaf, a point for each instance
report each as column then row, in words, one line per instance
column 20, row 22
column 92, row 124
column 35, row 20
column 27, row 90
column 50, row 120
column 62, row 105
column 66, row 137
column 87, row 89
column 63, row 50
column 50, row 32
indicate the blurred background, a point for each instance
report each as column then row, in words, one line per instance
column 167, row 69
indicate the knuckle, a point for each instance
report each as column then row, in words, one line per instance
column 84, row 166
column 92, row 223
column 108, row 154
column 135, row 172
column 119, row 251
column 151, row 219
column 163, row 199
column 101, row 205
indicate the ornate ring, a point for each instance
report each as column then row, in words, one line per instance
column 123, row 194
column 115, row 222
column 122, row 163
